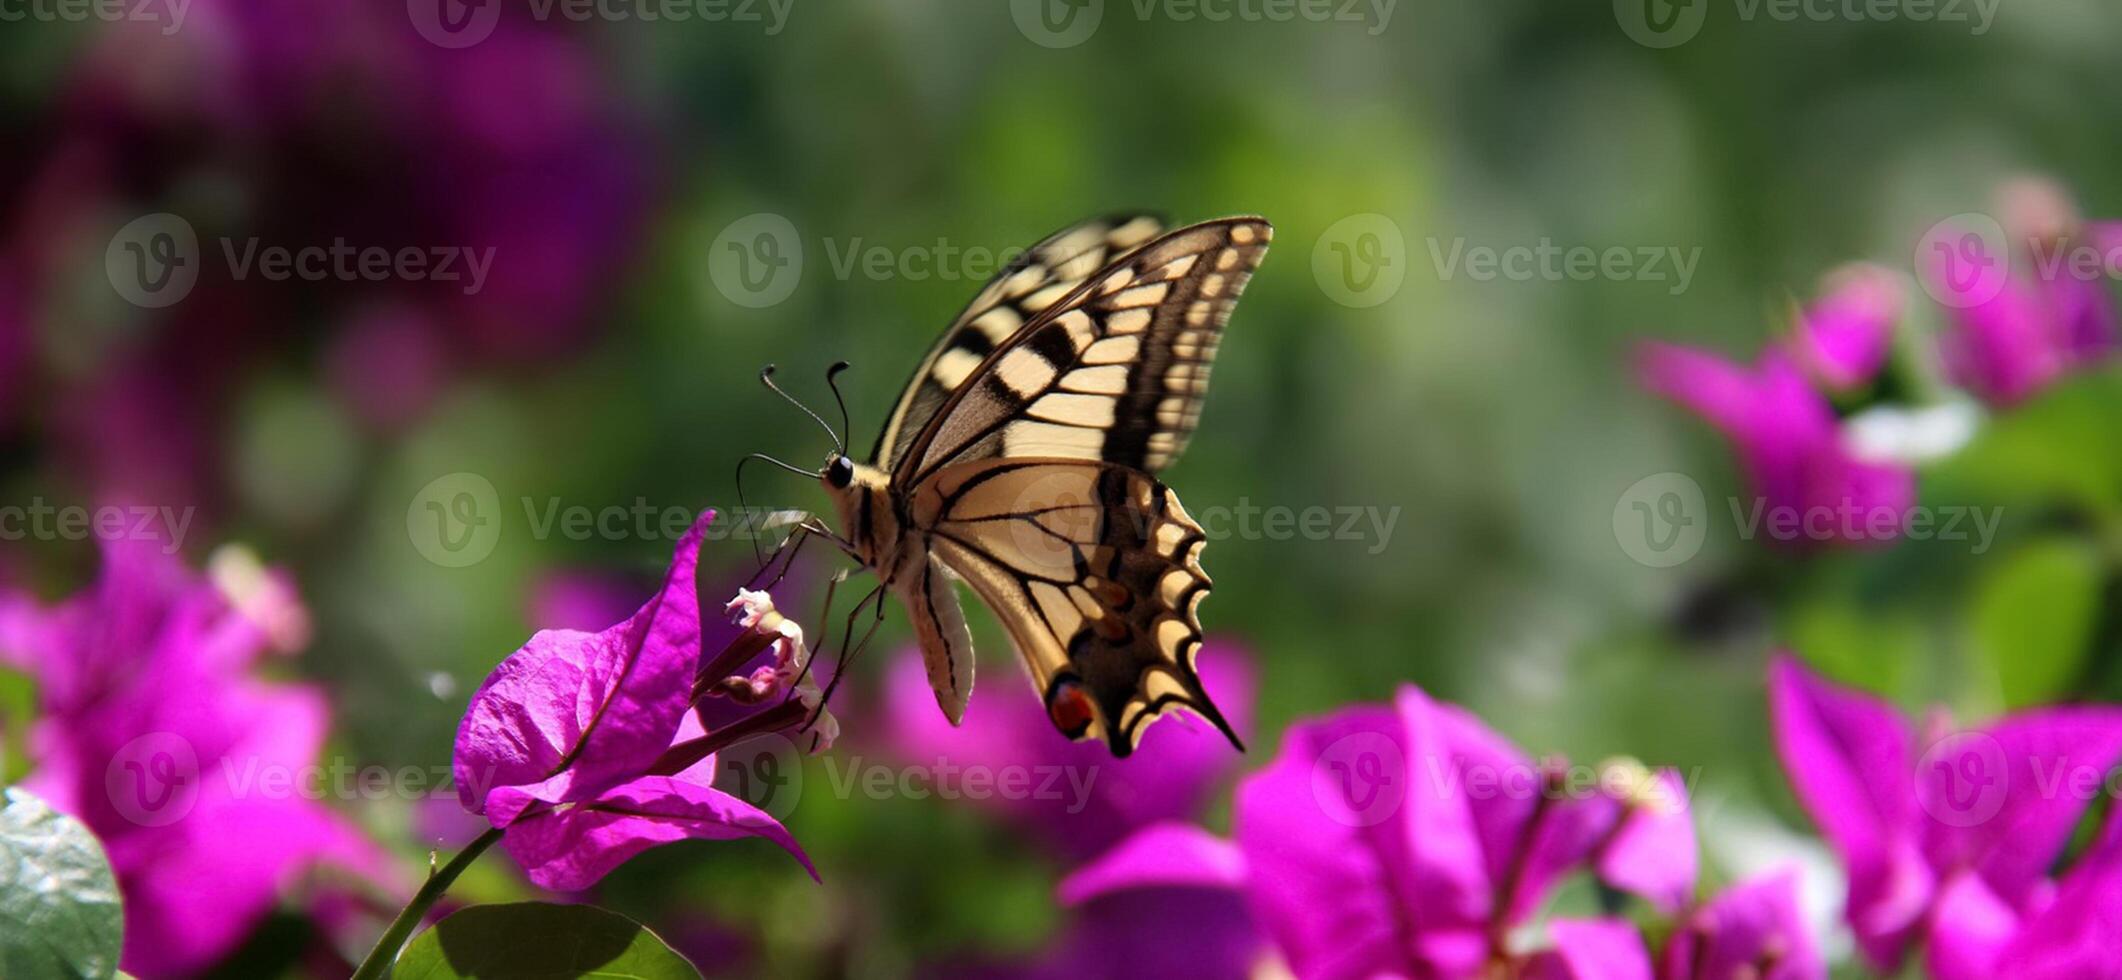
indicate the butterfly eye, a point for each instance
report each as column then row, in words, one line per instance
column 840, row 471
column 1068, row 704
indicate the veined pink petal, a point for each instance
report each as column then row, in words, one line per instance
column 1847, row 757
column 1469, row 794
column 1323, row 838
column 572, row 713
column 572, row 848
column 1162, row 855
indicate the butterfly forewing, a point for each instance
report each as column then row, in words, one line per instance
column 1020, row 459
column 1024, row 288
column 1114, row 370
column 1093, row 568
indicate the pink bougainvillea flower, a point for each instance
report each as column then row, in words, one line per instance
column 577, row 744
column 1753, row 930
column 1845, row 337
column 1092, row 800
column 1411, row 840
column 1808, row 484
column 153, row 733
column 1950, row 837
column 2024, row 319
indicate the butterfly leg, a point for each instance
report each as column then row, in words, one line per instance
column 848, row 648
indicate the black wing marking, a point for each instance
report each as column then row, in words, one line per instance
column 1113, row 371
column 1044, row 273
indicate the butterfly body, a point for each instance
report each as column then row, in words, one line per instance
column 1020, row 460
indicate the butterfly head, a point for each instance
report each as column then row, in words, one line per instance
column 839, row 472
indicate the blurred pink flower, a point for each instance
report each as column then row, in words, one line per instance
column 576, row 745
column 152, row 733
column 1411, row 840
column 389, row 366
column 1845, row 337
column 579, row 600
column 1171, row 775
column 1808, row 484
column 1955, row 845
column 1752, row 930
column 517, row 156
column 2022, row 320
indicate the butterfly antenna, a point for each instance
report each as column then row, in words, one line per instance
column 832, row 375
column 766, row 377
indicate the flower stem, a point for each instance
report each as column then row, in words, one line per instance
column 386, row 951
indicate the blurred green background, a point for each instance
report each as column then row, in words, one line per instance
column 1500, row 419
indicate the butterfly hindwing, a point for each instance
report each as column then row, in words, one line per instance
column 1094, row 570
column 1113, row 371
column 1042, row 274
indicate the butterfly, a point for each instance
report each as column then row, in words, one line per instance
column 1021, row 460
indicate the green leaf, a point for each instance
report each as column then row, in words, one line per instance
column 539, row 941
column 2043, row 451
column 59, row 909
column 2033, row 616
